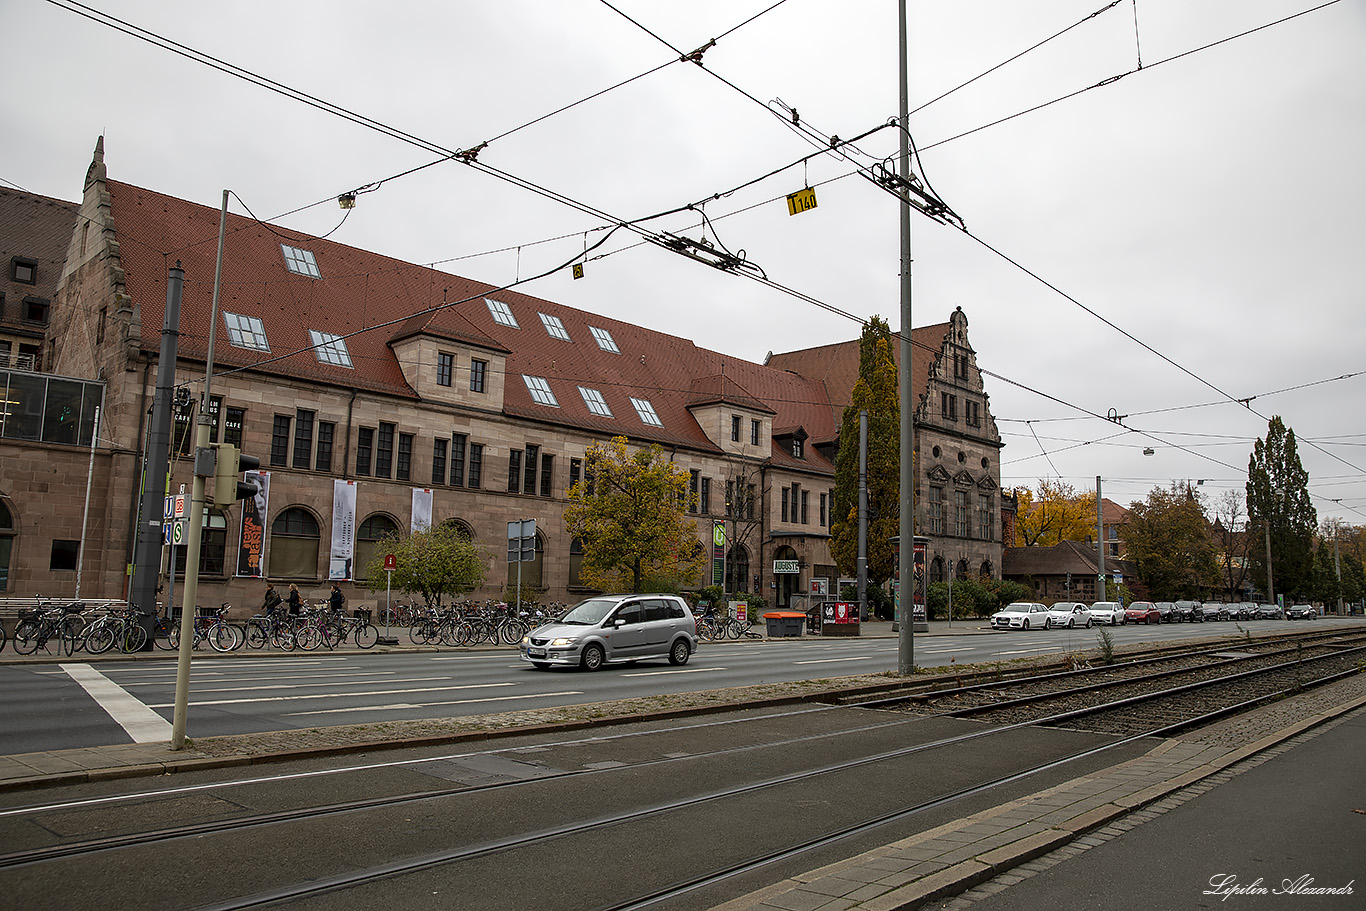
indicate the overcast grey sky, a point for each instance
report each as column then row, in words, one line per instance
column 1209, row 205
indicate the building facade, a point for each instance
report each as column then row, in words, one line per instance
column 380, row 395
column 959, row 504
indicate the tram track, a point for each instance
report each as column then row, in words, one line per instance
column 1344, row 658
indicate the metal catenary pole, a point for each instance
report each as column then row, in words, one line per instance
column 905, row 634
column 196, row 518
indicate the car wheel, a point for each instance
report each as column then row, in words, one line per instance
column 678, row 654
column 1088, row 622
column 1026, row 625
column 1071, row 624
column 593, row 658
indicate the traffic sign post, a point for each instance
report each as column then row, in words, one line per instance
column 390, row 564
column 521, row 549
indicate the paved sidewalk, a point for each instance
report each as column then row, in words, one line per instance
column 956, row 856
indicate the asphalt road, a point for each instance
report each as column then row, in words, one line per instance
column 69, row 704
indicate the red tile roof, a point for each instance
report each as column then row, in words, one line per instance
column 373, row 300
column 838, row 364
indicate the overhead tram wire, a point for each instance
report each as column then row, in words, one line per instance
column 469, row 157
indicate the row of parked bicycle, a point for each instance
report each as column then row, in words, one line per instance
column 76, row 627
column 1072, row 614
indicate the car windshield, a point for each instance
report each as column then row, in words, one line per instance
column 1016, row 608
column 587, row 613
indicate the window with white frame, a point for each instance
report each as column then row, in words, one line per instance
column 330, row 349
column 604, row 340
column 501, row 313
column 646, row 412
column 595, row 402
column 246, row 331
column 300, row 262
column 540, row 390
column 554, row 327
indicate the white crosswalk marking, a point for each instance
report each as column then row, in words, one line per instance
column 141, row 723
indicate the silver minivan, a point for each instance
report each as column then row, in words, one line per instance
column 610, row 629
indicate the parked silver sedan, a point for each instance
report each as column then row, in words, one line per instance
column 1070, row 614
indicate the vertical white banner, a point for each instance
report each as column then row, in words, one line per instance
column 343, row 529
column 422, row 508
column 251, row 544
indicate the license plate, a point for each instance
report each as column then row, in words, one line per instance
column 536, row 652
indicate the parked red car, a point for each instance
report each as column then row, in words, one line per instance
column 1142, row 612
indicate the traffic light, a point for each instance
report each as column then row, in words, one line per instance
column 226, row 486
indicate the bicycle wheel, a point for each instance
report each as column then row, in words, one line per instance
column 366, row 635
column 161, row 633
column 26, row 636
column 223, row 637
column 99, row 638
column 308, row 637
column 256, row 635
column 71, row 631
column 132, row 637
column 4, row 637
column 334, row 634
column 416, row 632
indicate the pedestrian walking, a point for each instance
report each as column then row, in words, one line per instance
column 336, row 600
column 295, row 600
column 272, row 599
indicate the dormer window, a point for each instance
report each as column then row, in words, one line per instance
column 797, row 448
column 246, row 331
column 300, row 262
column 25, row 270
column 604, row 340
column 554, row 327
column 331, row 349
column 646, row 412
column 540, row 391
column 501, row 313
column 595, row 402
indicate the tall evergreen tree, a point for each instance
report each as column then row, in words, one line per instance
column 876, row 391
column 1278, row 501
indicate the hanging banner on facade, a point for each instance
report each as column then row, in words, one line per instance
column 343, row 529
column 422, row 508
column 251, row 545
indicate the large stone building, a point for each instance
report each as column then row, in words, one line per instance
column 379, row 394
column 959, row 505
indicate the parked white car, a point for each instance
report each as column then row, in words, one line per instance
column 1021, row 615
column 1107, row 612
column 1069, row 614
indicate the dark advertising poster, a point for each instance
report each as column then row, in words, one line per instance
column 252, row 546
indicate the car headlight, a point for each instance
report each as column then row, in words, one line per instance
column 526, row 640
column 562, row 641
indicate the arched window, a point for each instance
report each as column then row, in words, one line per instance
column 936, row 570
column 294, row 545
column 531, row 572
column 575, row 563
column 461, row 526
column 987, row 570
column 737, row 569
column 372, row 536
column 213, row 546
column 6, row 544
column 962, row 571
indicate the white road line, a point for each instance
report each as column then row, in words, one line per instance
column 141, row 723
column 422, row 705
column 427, row 689
column 833, row 660
column 691, row 670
